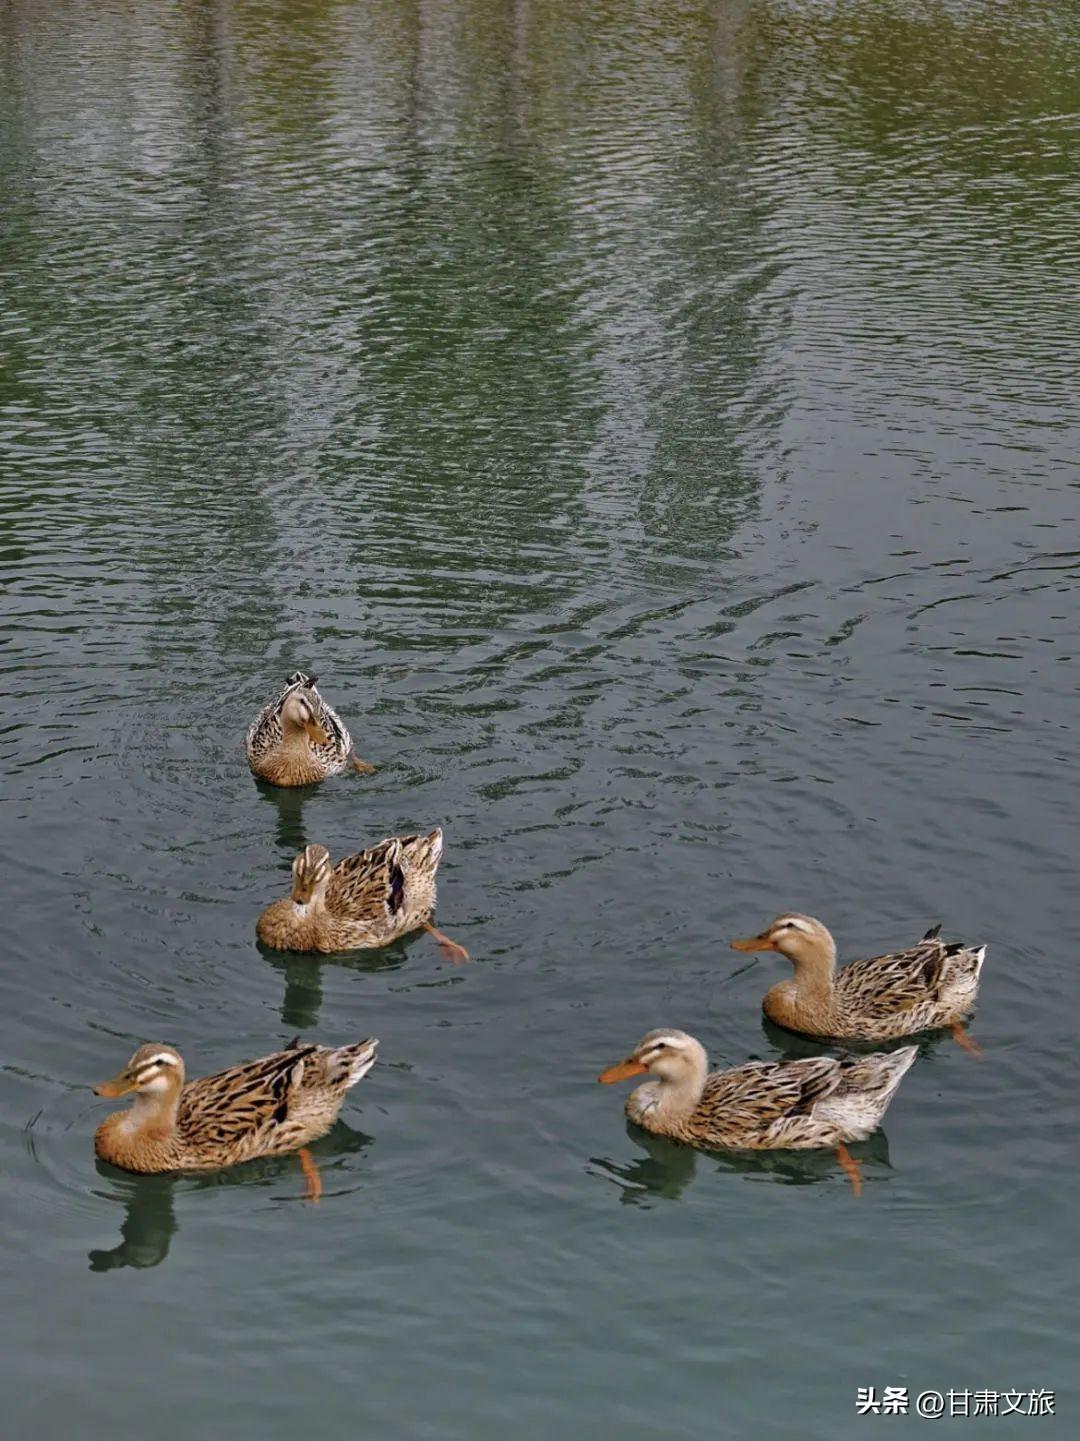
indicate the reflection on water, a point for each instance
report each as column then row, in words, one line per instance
column 149, row 1202
column 288, row 803
column 792, row 1046
column 807, row 1168
column 149, row 1221
column 664, row 1173
column 669, row 1167
column 657, row 425
column 303, row 993
column 303, row 975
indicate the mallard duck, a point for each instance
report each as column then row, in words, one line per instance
column 931, row 984
column 365, row 901
column 298, row 739
column 261, row 1108
column 764, row 1105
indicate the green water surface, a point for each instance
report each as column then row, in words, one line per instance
column 656, row 424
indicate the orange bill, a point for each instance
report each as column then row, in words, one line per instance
column 316, row 733
column 755, row 943
column 622, row 1072
column 119, row 1086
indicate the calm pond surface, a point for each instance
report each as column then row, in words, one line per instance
column 657, row 426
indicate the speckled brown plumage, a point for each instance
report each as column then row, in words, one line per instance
column 764, row 1105
column 928, row 985
column 298, row 739
column 262, row 1108
column 365, row 901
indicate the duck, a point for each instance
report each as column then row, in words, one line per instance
column 366, row 901
column 930, row 985
column 298, row 739
column 268, row 1107
column 820, row 1101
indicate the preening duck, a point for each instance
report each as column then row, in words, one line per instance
column 364, row 902
column 298, row 739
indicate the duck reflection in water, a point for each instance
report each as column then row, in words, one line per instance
column 663, row 1174
column 791, row 1046
column 303, row 976
column 669, row 1167
column 289, row 811
column 303, row 984
column 150, row 1222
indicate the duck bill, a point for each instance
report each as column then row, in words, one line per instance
column 317, row 734
column 754, row 943
column 119, row 1086
column 622, row 1072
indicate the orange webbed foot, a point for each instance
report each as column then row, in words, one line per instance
column 450, row 949
column 851, row 1168
column 311, row 1171
column 363, row 768
column 961, row 1037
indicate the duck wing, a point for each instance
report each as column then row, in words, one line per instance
column 384, row 883
column 881, row 986
column 750, row 1099
column 233, row 1107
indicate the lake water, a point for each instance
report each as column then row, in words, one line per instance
column 657, row 426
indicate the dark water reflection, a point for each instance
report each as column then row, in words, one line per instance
column 150, row 1222
column 302, row 976
column 668, row 1169
column 657, row 427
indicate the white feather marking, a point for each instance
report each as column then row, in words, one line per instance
column 359, row 1067
column 675, row 1043
column 795, row 923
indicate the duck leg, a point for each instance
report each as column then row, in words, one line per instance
column 851, row 1168
column 961, row 1037
column 450, row 949
column 311, row 1171
column 364, row 768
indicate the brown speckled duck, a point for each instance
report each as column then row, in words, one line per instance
column 298, row 739
column 261, row 1108
column 364, row 902
column 929, row 985
column 764, row 1105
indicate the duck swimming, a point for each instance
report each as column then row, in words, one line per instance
column 763, row 1105
column 261, row 1108
column 364, row 902
column 298, row 739
column 930, row 984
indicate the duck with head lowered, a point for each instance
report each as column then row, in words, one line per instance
column 298, row 739
column 763, row 1105
column 364, row 902
column 930, row 984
